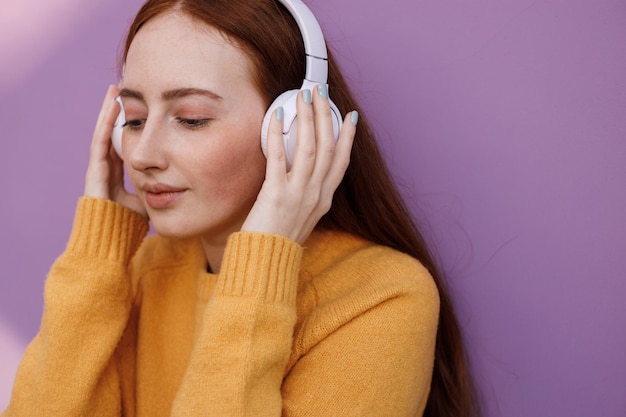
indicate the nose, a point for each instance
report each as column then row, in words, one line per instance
column 147, row 151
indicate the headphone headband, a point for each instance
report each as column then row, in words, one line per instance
column 314, row 44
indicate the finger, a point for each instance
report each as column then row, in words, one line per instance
column 325, row 139
column 101, row 140
column 276, row 154
column 98, row 173
column 108, row 101
column 341, row 159
column 304, row 158
column 110, row 95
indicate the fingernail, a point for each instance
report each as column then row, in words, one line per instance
column 354, row 117
column 322, row 89
column 280, row 113
column 306, row 96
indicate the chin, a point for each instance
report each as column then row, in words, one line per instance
column 170, row 233
column 188, row 227
column 174, row 227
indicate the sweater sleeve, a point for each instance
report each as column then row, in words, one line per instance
column 368, row 348
column 379, row 364
column 240, row 353
column 68, row 370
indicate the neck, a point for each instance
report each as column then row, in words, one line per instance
column 214, row 251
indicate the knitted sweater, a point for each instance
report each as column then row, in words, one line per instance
column 135, row 326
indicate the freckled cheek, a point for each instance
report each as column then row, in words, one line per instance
column 237, row 172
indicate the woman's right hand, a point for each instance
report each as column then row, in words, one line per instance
column 105, row 173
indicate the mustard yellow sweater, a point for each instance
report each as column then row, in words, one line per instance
column 135, row 326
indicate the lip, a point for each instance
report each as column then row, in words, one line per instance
column 160, row 196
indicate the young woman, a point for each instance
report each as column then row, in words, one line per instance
column 256, row 296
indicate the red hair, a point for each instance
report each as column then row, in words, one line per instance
column 367, row 202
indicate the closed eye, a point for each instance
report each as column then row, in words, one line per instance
column 134, row 124
column 193, row 123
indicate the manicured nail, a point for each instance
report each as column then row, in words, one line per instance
column 306, row 96
column 280, row 113
column 323, row 90
column 354, row 117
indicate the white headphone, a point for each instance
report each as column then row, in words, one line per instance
column 316, row 73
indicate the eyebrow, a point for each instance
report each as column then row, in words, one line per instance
column 173, row 94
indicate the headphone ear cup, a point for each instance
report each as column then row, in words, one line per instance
column 290, row 123
column 118, row 128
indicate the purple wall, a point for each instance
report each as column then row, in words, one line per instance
column 504, row 122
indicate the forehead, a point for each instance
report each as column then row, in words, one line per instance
column 176, row 49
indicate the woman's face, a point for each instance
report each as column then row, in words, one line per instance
column 192, row 141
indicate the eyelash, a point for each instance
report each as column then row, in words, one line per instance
column 134, row 124
column 193, row 123
column 187, row 123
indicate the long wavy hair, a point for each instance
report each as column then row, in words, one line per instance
column 367, row 203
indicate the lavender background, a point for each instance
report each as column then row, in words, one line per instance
column 504, row 123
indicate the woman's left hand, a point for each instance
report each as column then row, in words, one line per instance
column 291, row 203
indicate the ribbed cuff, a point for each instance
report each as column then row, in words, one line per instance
column 106, row 230
column 260, row 264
